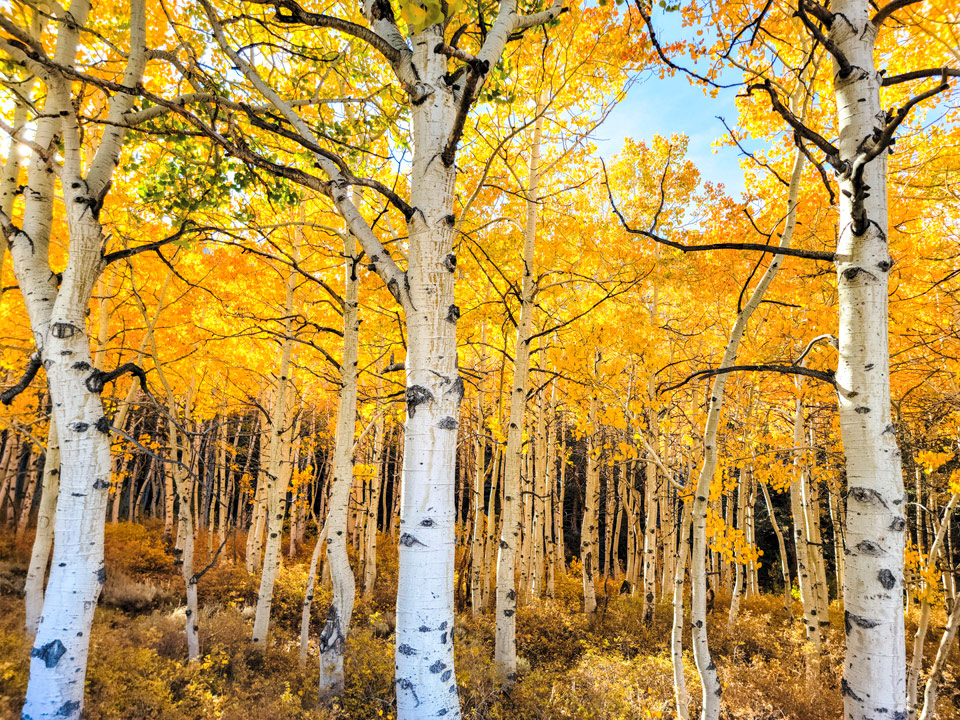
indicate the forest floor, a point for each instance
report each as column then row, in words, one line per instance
column 614, row 667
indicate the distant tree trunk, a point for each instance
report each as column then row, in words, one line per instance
column 681, row 550
column 561, row 561
column 333, row 636
column 490, row 537
column 550, row 493
column 811, row 620
column 588, row 532
column 650, row 540
column 782, row 546
column 373, row 505
column 701, row 651
column 278, row 471
column 738, row 566
column 505, row 653
column 29, row 492
column 477, row 568
column 936, row 670
column 916, row 661
column 258, row 520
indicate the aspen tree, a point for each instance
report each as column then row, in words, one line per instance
column 477, row 568
column 510, row 534
column 698, row 612
column 588, row 531
column 438, row 111
column 57, row 318
column 916, row 661
column 43, row 539
column 781, row 545
column 333, row 636
column 373, row 505
column 279, row 464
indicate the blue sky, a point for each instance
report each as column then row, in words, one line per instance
column 672, row 105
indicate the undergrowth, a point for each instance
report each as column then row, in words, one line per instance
column 613, row 667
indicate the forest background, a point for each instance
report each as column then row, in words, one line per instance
column 337, row 342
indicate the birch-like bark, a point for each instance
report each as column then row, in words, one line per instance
column 477, row 568
column 43, row 539
column 782, row 546
column 308, row 595
column 680, row 693
column 505, row 654
column 936, row 670
column 58, row 321
column 183, row 478
column 649, row 540
column 438, row 109
column 27, row 498
column 916, row 661
column 588, row 528
column 738, row 566
column 373, row 504
column 874, row 682
column 536, row 574
column 258, row 520
column 333, row 637
column 279, row 468
column 698, row 611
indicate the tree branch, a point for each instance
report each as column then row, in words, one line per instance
column 33, row 366
column 756, row 247
column 918, row 74
column 648, row 21
column 99, row 378
column 832, row 153
column 890, row 8
column 822, row 375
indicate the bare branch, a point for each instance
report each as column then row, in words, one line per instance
column 918, row 74
column 99, row 378
column 24, row 382
column 832, row 153
column 890, row 8
column 756, row 247
column 822, row 375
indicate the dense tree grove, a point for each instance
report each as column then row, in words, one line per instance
column 344, row 376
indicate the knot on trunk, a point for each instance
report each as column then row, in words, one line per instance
column 416, row 394
column 50, row 653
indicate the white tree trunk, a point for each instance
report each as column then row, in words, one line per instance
column 43, row 540
column 333, row 637
column 782, row 546
column 505, row 654
column 916, row 661
column 650, row 540
column 477, row 568
column 588, row 528
column 680, row 692
column 698, row 611
column 936, row 670
column 279, row 470
column 874, row 682
column 308, row 596
column 57, row 317
column 373, row 507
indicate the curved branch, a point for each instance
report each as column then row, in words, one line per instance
column 24, row 382
column 822, row 375
column 756, row 247
column 99, row 378
column 919, row 74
